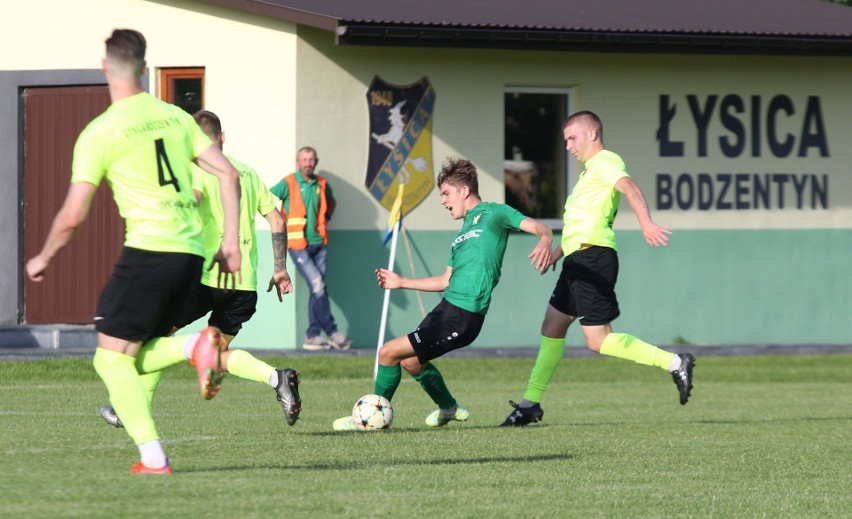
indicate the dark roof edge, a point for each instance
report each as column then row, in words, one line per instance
column 287, row 14
column 591, row 41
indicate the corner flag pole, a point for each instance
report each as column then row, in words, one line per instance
column 386, row 302
column 394, row 225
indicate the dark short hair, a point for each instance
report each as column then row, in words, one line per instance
column 588, row 117
column 209, row 122
column 127, row 46
column 459, row 172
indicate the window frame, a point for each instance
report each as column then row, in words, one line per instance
column 570, row 167
column 169, row 74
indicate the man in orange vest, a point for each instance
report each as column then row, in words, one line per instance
column 307, row 204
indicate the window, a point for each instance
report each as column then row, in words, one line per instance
column 183, row 87
column 536, row 166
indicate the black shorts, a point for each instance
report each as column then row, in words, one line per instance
column 445, row 329
column 229, row 309
column 586, row 286
column 146, row 293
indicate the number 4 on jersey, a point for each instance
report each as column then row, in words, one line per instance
column 166, row 174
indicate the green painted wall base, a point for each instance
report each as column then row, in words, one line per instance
column 706, row 287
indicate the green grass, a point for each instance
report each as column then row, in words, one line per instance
column 762, row 437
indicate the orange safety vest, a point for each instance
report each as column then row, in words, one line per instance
column 297, row 219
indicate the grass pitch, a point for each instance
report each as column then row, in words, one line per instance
column 761, row 437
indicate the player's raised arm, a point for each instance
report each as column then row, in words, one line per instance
column 540, row 255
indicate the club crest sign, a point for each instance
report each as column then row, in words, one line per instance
column 400, row 142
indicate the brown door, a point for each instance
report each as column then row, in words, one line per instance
column 53, row 118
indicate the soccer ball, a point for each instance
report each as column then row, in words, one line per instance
column 372, row 412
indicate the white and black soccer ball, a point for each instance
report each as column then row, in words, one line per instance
column 372, row 412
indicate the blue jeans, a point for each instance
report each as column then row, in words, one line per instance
column 310, row 263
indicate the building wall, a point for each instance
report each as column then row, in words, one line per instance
column 735, row 271
column 752, row 267
column 250, row 82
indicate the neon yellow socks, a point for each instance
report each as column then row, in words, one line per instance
column 150, row 381
column 245, row 365
column 162, row 352
column 433, row 383
column 387, row 380
column 126, row 394
column 549, row 356
column 628, row 347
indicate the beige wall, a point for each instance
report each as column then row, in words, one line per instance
column 249, row 60
column 624, row 90
column 250, row 82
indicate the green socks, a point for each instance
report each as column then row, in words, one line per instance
column 433, row 383
column 245, row 365
column 126, row 394
column 628, row 347
column 550, row 354
column 387, row 380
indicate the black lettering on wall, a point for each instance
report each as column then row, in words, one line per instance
column 819, row 192
column 813, row 129
column 684, row 192
column 702, row 119
column 741, row 191
column 761, row 190
column 780, row 179
column 725, row 180
column 755, row 126
column 779, row 148
column 705, row 192
column 732, row 103
column 664, row 191
column 799, row 187
column 668, row 148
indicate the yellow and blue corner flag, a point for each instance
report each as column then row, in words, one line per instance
column 395, row 215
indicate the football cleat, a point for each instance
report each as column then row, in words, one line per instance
column 207, row 361
column 288, row 394
column 141, row 468
column 438, row 419
column 683, row 376
column 345, row 423
column 108, row 414
column 522, row 416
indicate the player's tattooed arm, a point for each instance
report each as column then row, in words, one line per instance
column 279, row 250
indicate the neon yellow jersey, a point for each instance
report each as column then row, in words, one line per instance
column 590, row 210
column 254, row 198
column 144, row 148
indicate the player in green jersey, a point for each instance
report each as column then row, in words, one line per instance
column 144, row 148
column 230, row 309
column 473, row 270
column 585, row 291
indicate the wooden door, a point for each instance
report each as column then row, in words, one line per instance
column 53, row 118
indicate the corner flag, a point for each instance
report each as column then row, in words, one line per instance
column 394, row 216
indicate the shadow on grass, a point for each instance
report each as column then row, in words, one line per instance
column 732, row 421
column 384, row 463
column 430, row 430
column 777, row 420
